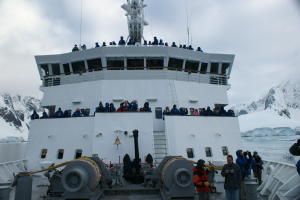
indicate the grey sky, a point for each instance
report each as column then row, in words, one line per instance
column 264, row 35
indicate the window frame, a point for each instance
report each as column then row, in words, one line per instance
column 189, row 68
column 190, row 154
column 225, row 149
column 152, row 66
column 43, row 153
column 175, row 68
column 76, row 152
column 60, row 154
column 208, row 152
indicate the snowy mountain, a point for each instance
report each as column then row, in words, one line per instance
column 278, row 108
column 15, row 112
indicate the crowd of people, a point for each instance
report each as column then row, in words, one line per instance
column 234, row 174
column 198, row 112
column 130, row 42
column 125, row 106
column 61, row 114
column 108, row 107
column 132, row 106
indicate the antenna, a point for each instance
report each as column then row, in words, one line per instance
column 80, row 33
column 188, row 25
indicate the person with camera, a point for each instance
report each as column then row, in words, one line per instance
column 295, row 150
column 233, row 178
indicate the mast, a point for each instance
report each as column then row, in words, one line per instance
column 135, row 17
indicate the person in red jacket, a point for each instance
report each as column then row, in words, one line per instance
column 200, row 180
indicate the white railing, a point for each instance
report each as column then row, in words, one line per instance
column 9, row 169
column 280, row 182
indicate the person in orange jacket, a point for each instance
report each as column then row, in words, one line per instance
column 200, row 180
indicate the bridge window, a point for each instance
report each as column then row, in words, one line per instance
column 78, row 67
column 208, row 152
column 45, row 69
column 55, row 69
column 175, row 64
column 190, row 152
column 225, row 68
column 225, row 151
column 115, row 63
column 214, row 68
column 203, row 68
column 135, row 63
column 60, row 154
column 191, row 66
column 158, row 113
column 67, row 68
column 44, row 153
column 94, row 64
column 78, row 153
column 155, row 63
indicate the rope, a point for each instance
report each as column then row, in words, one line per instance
column 54, row 166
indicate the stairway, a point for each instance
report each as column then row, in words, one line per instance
column 160, row 146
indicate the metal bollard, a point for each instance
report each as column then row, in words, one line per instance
column 251, row 189
column 5, row 191
column 23, row 188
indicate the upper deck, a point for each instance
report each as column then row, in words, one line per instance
column 134, row 63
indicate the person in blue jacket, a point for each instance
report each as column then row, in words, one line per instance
column 34, row 115
column 155, row 41
column 106, row 108
column 174, row 110
column 146, row 107
column 59, row 113
column 133, row 106
column 112, row 108
column 122, row 41
column 100, row 108
column 209, row 112
column 77, row 113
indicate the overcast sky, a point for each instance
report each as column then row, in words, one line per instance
column 263, row 34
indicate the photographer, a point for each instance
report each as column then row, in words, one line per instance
column 295, row 150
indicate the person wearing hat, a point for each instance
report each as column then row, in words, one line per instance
column 200, row 180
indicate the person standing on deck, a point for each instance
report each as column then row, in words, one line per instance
column 233, row 178
column 200, row 180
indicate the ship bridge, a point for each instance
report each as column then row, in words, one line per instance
column 134, row 62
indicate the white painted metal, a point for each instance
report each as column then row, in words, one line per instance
column 12, row 151
column 200, row 132
column 9, row 169
column 280, row 181
column 92, row 135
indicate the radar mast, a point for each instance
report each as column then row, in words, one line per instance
column 135, row 16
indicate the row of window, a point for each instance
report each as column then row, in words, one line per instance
column 208, row 152
column 60, row 153
column 118, row 63
column 78, row 153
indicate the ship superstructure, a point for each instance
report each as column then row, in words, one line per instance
column 156, row 74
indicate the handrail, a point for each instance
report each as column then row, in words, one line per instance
column 15, row 161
